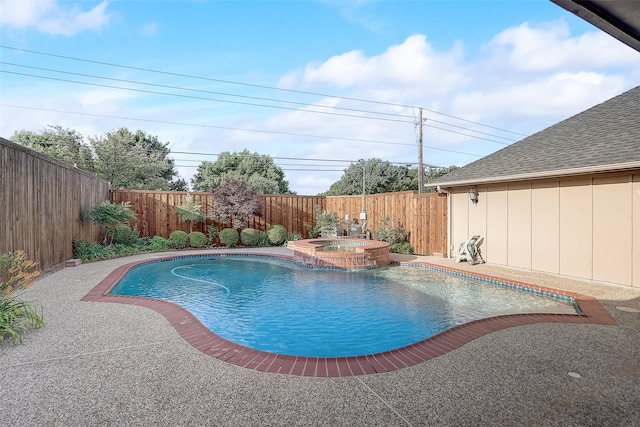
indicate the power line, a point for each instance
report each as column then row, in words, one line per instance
column 258, row 98
column 152, row 150
column 255, row 85
column 202, row 98
column 234, row 129
column 206, row 91
column 250, row 104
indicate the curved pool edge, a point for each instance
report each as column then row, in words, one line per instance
column 207, row 342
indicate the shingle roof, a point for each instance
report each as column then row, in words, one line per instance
column 603, row 138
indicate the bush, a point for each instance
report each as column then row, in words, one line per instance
column 125, row 235
column 87, row 251
column 250, row 237
column 293, row 236
column 264, row 240
column 90, row 251
column 109, row 215
column 197, row 239
column 178, row 239
column 211, row 229
column 158, row 243
column 386, row 232
column 277, row 234
column 327, row 224
column 16, row 316
column 401, row 248
column 229, row 237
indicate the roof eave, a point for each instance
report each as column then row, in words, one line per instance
column 561, row 173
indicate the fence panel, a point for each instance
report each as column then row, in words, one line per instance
column 157, row 215
column 43, row 204
column 424, row 216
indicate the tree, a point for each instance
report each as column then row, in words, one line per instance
column 133, row 160
column 63, row 144
column 435, row 173
column 259, row 172
column 233, row 201
column 380, row 177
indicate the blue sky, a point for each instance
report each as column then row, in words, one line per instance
column 286, row 78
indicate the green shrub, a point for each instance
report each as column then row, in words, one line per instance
column 109, row 215
column 87, row 251
column 312, row 232
column 401, row 248
column 277, row 234
column 327, row 224
column 125, row 235
column 250, row 237
column 158, row 243
column 16, row 316
column 211, row 229
column 293, row 236
column 264, row 240
column 178, row 239
column 118, row 250
column 391, row 234
column 197, row 239
column 229, row 237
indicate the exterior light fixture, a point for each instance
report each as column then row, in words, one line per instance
column 473, row 195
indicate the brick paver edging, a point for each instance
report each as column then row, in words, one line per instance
column 204, row 340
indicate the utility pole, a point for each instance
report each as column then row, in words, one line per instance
column 420, row 162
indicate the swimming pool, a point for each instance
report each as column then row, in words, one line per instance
column 280, row 307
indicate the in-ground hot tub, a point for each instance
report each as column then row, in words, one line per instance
column 341, row 253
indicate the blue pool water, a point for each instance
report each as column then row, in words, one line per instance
column 278, row 306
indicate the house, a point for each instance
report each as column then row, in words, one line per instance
column 565, row 200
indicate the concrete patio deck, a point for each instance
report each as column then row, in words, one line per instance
column 112, row 364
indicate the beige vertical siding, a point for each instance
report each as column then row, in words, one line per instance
column 576, row 237
column 496, row 238
column 519, row 225
column 587, row 227
column 612, row 225
column 635, row 224
column 545, row 226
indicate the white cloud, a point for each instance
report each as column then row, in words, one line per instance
column 401, row 67
column 549, row 46
column 48, row 16
column 546, row 99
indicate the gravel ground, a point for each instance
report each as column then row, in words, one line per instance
column 112, row 364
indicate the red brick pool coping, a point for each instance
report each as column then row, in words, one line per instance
column 204, row 340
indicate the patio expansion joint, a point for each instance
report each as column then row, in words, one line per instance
column 91, row 353
column 385, row 402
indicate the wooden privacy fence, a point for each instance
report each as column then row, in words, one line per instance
column 157, row 215
column 42, row 204
column 423, row 215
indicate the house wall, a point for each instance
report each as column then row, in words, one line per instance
column 586, row 227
